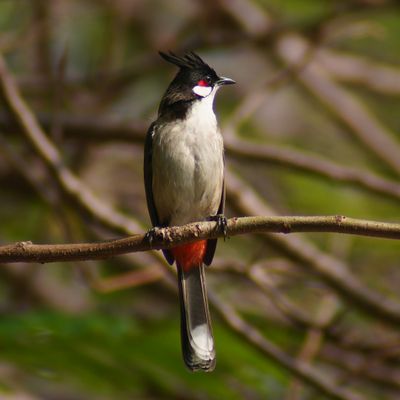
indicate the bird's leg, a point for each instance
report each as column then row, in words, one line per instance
column 222, row 223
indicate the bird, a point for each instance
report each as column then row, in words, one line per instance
column 184, row 182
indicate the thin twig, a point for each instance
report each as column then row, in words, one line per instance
column 377, row 76
column 333, row 271
column 297, row 367
column 361, row 366
column 369, row 131
column 295, row 314
column 312, row 164
column 108, row 129
column 50, row 155
column 84, row 128
column 129, row 279
column 313, row 340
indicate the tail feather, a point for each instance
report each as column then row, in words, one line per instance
column 196, row 333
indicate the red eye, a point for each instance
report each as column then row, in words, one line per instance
column 202, row 82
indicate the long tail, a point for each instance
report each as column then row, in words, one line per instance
column 196, row 333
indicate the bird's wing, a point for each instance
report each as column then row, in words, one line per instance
column 148, row 175
column 148, row 184
column 212, row 243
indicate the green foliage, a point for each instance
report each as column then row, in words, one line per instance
column 112, row 356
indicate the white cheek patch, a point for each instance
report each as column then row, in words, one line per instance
column 202, row 91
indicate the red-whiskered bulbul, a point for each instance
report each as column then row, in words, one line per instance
column 184, row 181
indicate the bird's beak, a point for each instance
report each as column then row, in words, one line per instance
column 225, row 81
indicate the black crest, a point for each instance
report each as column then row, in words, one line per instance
column 190, row 60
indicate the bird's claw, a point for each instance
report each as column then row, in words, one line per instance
column 222, row 224
column 151, row 235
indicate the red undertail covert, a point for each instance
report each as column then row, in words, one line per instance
column 190, row 255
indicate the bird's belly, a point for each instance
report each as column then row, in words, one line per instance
column 187, row 176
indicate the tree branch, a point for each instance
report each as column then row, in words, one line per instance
column 358, row 365
column 352, row 112
column 374, row 75
column 163, row 238
column 333, row 271
column 84, row 128
column 299, row 368
column 311, row 164
column 108, row 129
column 50, row 155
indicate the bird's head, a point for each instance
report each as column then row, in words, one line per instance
column 195, row 79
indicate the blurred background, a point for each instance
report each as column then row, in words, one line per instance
column 311, row 128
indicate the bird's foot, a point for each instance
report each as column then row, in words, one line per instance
column 222, row 224
column 151, row 235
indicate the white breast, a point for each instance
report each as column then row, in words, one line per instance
column 188, row 166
